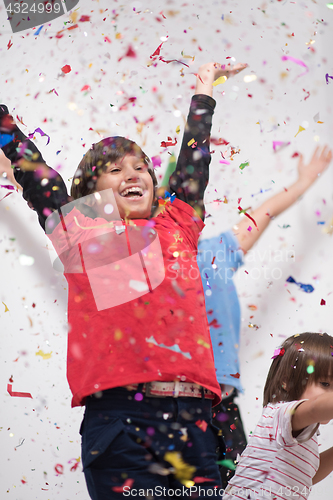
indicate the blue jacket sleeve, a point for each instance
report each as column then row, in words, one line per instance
column 191, row 176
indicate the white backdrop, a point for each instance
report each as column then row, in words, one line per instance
column 40, row 436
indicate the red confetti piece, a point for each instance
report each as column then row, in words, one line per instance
column 59, row 469
column 295, row 155
column 214, row 323
column 157, row 51
column 247, row 215
column 199, row 479
column 9, row 44
column 219, row 142
column 120, row 489
column 165, row 144
column 233, row 427
column 323, row 302
column 305, row 98
column 202, row 424
column 66, row 69
column 107, row 39
column 18, row 394
column 235, row 375
column 130, row 53
column 85, row 87
column 84, row 19
column 20, row 120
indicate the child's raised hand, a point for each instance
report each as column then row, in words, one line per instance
column 210, row 72
column 319, row 162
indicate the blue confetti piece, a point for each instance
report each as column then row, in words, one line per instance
column 321, row 222
column 169, row 195
column 305, row 288
column 39, row 30
column 6, row 139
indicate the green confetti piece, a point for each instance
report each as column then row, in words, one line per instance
column 329, row 5
column 228, row 464
column 243, row 165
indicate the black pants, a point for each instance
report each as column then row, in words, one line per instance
column 226, row 416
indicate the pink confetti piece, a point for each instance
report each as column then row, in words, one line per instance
column 279, row 144
column 7, row 186
column 17, row 394
column 59, row 468
column 296, row 61
column 39, row 130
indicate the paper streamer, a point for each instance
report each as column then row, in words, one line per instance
column 18, row 394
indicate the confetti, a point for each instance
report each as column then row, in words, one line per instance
column 59, row 468
column 323, row 302
column 202, row 424
column 129, row 53
column 300, row 129
column 66, row 69
column 228, row 464
column 329, row 5
column 39, row 131
column 327, row 76
column 183, row 471
column 44, row 355
column 120, row 489
column 6, row 308
column 235, row 375
column 220, row 80
column 277, row 145
column 305, row 288
column 243, row 165
column 174, row 347
column 39, row 30
column 17, row 394
column 241, row 211
column 296, row 61
column 203, row 343
column 85, row 87
column 165, row 144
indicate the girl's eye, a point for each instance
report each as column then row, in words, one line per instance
column 115, row 170
column 325, row 384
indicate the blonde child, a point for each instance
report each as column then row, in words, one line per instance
column 282, row 460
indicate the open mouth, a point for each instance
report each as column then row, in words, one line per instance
column 133, row 193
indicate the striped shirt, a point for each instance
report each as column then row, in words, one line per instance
column 275, row 464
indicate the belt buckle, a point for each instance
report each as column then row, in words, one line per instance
column 148, row 391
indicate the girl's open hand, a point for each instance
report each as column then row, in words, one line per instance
column 319, row 162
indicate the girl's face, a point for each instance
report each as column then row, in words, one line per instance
column 132, row 187
column 312, row 391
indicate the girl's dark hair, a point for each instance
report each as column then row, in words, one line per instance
column 307, row 358
column 97, row 159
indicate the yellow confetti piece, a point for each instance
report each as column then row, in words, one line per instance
column 6, row 308
column 220, row 80
column 183, row 471
column 300, row 129
column 178, row 129
column 187, row 57
column 328, row 229
column 118, row 334
column 203, row 343
column 44, row 355
column 192, row 141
